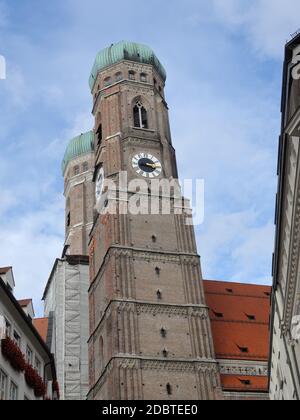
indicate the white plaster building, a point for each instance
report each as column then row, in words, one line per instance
column 16, row 324
column 285, row 345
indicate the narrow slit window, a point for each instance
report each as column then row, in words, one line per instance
column 169, row 389
column 163, row 333
column 99, row 135
column 69, row 219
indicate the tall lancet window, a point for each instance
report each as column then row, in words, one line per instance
column 140, row 116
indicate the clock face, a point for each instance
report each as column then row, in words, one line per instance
column 146, row 165
column 99, row 184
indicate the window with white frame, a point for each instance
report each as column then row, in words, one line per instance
column 3, row 385
column 8, row 328
column 37, row 365
column 29, row 355
column 17, row 339
column 13, row 392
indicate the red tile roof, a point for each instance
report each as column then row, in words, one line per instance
column 24, row 302
column 41, row 324
column 244, row 383
column 240, row 319
column 4, row 270
column 239, row 316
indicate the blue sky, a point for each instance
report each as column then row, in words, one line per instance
column 224, row 62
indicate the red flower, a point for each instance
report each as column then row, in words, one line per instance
column 13, row 354
column 34, row 381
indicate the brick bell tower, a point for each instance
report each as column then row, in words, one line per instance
column 150, row 334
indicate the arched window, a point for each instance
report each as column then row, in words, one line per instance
column 107, row 81
column 131, row 75
column 140, row 116
column 76, row 170
column 119, row 77
column 143, row 77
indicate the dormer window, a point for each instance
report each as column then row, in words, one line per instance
column 243, row 349
column 140, row 116
column 251, row 317
column 218, row 314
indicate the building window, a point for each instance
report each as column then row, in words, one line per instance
column 144, row 77
column 165, row 353
column 3, row 386
column 8, row 328
column 131, row 75
column 85, row 166
column 169, row 389
column 17, row 339
column 140, row 116
column 37, row 365
column 76, row 170
column 13, row 392
column 159, row 295
column 69, row 220
column 119, row 77
column 157, row 271
column 107, row 81
column 163, row 333
column 154, row 239
column 99, row 135
column 29, row 355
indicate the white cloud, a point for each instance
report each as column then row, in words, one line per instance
column 233, row 243
column 30, row 242
column 268, row 24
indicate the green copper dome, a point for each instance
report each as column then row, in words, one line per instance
column 78, row 146
column 125, row 51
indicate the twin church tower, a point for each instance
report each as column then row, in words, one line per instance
column 147, row 326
